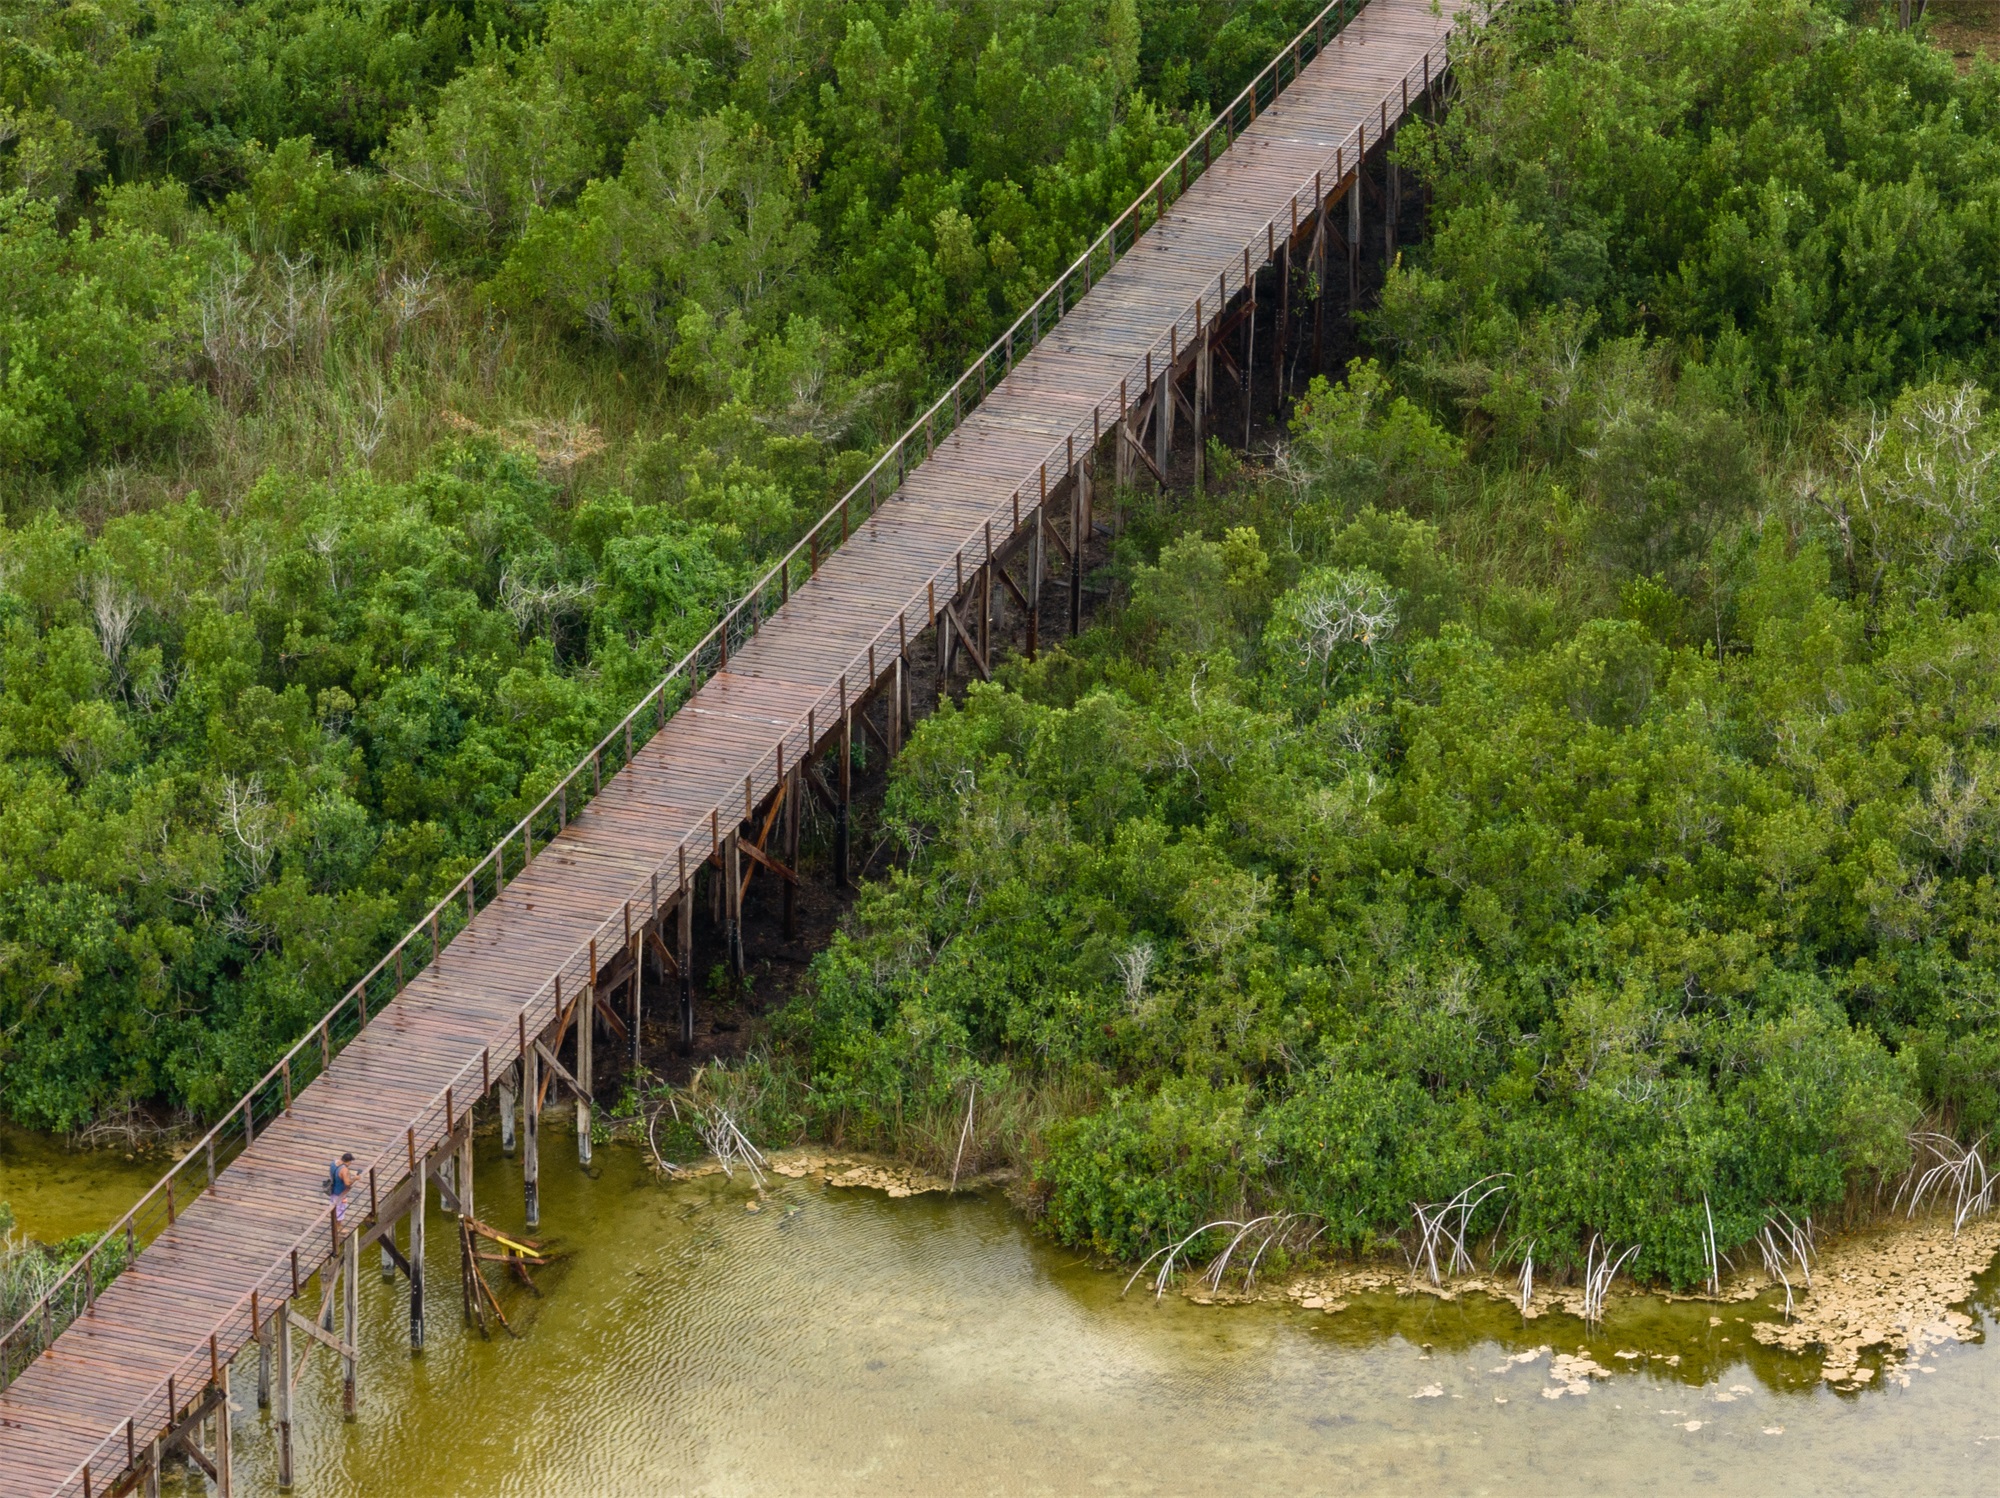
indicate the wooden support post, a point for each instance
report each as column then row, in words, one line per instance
column 1354, row 241
column 896, row 706
column 638, row 948
column 986, row 607
column 1282, row 330
column 1088, row 508
column 843, row 825
column 1163, row 419
column 684, row 956
column 462, row 1186
column 1078, row 535
column 1392, row 208
column 790, row 832
column 151, row 1485
column 1319, row 292
column 350, row 1318
column 507, row 1089
column 462, row 1183
column 1249, row 354
column 420, row 1179
column 283, row 1395
column 264, row 1365
column 586, row 1033
column 1204, row 374
column 1038, row 564
column 225, row 1438
column 732, row 900
column 531, row 1131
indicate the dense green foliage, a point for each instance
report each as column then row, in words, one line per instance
column 237, row 751
column 1576, row 762
column 388, row 393
column 675, row 183
column 1809, row 206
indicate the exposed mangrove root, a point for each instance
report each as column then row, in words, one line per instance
column 1942, row 1169
column 1599, row 1269
column 1714, row 1262
column 714, row 1120
column 1781, row 1241
column 1448, row 1223
column 1271, row 1228
column 730, row 1146
column 964, row 1134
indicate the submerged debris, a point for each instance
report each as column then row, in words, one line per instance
column 1571, row 1373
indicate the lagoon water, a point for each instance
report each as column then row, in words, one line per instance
column 837, row 1342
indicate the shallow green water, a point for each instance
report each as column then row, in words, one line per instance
column 839, row 1342
column 55, row 1192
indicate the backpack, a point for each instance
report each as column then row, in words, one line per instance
column 332, row 1186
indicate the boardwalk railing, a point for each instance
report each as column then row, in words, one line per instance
column 426, row 941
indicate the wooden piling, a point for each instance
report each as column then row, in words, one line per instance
column 586, row 1078
column 283, row 1395
column 986, row 603
column 507, row 1089
column 1204, row 375
column 684, row 955
column 1319, row 288
column 1076, row 555
column 1354, row 241
column 225, row 1437
column 1249, row 348
column 263, row 1361
column 419, row 1178
column 531, row 1129
column 637, row 947
column 789, row 834
column 732, row 901
column 463, row 1184
column 1038, row 566
column 350, row 1319
column 1392, row 208
column 843, row 827
column 1282, row 330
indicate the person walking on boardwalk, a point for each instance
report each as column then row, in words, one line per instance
column 340, row 1175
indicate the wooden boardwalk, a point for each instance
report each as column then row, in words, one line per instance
column 735, row 742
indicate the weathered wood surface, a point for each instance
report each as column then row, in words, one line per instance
column 152, row 1317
